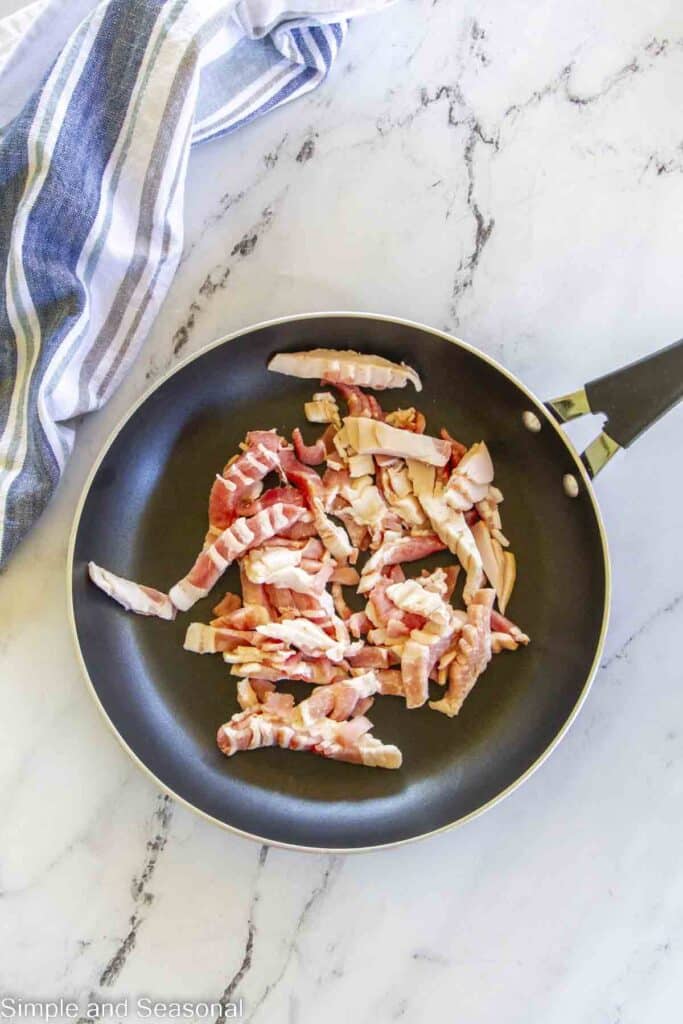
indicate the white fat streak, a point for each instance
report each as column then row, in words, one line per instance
column 410, row 596
column 305, row 636
column 200, row 639
column 217, row 559
column 228, row 484
column 184, row 594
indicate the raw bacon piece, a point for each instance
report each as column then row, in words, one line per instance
column 337, row 701
column 134, row 597
column 340, row 605
column 309, row 454
column 372, row 657
column 228, row 603
column 449, row 525
column 407, row 419
column 286, row 495
column 472, row 656
column 317, row 671
column 502, row 625
column 242, row 535
column 395, row 550
column 489, row 511
column 249, row 616
column 201, row 639
column 323, row 409
column 346, row 367
column 286, row 567
column 391, row 682
column 303, row 634
column 359, row 403
column 260, row 458
column 370, row 437
column 309, row 483
column 358, row 624
column 457, row 449
column 469, row 482
column 317, row 723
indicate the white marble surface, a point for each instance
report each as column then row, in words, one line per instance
column 550, row 132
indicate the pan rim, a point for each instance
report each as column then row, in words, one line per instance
column 546, row 417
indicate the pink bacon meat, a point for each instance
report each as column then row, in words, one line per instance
column 235, row 541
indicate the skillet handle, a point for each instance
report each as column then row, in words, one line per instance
column 632, row 398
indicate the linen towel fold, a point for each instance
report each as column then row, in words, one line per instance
column 99, row 106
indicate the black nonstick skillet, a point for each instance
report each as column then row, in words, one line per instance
column 143, row 515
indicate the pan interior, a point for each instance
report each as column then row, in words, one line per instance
column 144, row 517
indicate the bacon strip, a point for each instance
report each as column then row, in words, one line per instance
column 242, row 535
column 260, row 458
column 134, row 597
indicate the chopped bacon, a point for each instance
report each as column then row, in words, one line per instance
column 358, row 624
column 201, row 639
column 398, row 492
column 134, row 597
column 305, row 635
column 469, row 482
column 502, row 625
column 391, row 682
column 319, row 723
column 473, row 654
column 359, row 403
column 372, row 657
column 341, row 607
column 452, row 573
column 287, row 495
column 260, row 457
column 369, row 437
column 228, row 603
column 346, row 575
column 457, row 449
column 249, row 616
column 309, row 454
column 338, row 700
column 309, row 483
column 407, row 419
column 394, row 550
column 346, row 367
column 242, row 535
column 318, row 671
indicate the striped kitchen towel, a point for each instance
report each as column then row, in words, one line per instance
column 100, row 104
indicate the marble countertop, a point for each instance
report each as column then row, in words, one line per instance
column 512, row 173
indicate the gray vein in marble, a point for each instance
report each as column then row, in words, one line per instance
column 230, row 199
column 161, row 824
column 307, row 151
column 245, row 965
column 316, row 896
column 662, row 165
column 429, row 956
column 622, row 652
column 215, row 281
column 642, row 61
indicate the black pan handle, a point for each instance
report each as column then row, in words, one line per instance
column 632, row 398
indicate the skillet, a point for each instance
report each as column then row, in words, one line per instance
column 143, row 515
